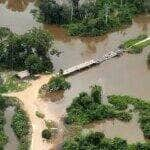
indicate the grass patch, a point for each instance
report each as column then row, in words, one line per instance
column 132, row 47
column 50, row 131
column 12, row 84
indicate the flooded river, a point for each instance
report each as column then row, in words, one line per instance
column 12, row 139
column 129, row 131
column 125, row 75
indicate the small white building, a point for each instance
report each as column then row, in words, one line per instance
column 23, row 74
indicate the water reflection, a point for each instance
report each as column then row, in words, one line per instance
column 143, row 22
column 17, row 21
column 54, row 96
column 76, row 49
column 61, row 36
column 16, row 5
column 129, row 131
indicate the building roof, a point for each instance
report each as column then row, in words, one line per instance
column 23, row 74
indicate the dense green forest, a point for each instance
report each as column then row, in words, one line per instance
column 28, row 51
column 86, row 108
column 90, row 18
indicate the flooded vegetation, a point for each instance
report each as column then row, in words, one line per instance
column 12, row 142
column 127, row 75
column 114, row 128
column 15, row 126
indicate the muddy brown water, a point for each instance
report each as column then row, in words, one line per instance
column 12, row 139
column 130, row 131
column 125, row 75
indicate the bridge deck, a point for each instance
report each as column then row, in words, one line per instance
column 91, row 62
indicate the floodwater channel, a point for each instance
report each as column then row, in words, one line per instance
column 127, row 75
column 12, row 139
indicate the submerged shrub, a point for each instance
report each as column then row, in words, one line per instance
column 56, row 84
column 39, row 114
column 46, row 134
column 148, row 60
column 85, row 109
column 96, row 93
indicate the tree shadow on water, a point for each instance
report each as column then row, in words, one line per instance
column 54, row 96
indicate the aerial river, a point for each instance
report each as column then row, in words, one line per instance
column 127, row 75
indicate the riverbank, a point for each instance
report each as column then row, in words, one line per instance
column 116, row 76
column 32, row 103
column 136, row 45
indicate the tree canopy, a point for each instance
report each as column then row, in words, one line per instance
column 27, row 51
column 98, row 141
column 86, row 108
column 90, row 18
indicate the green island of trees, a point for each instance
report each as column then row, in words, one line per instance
column 90, row 18
column 28, row 51
column 10, row 83
column 87, row 108
column 20, row 123
column 98, row 141
column 56, row 83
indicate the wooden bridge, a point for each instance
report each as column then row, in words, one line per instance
column 92, row 62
